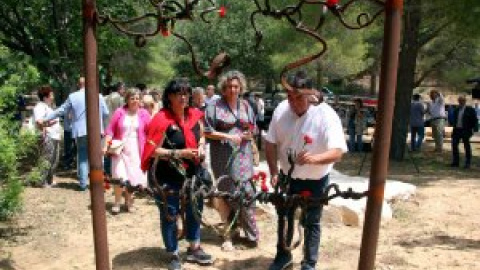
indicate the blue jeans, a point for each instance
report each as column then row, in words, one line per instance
column 82, row 161
column 169, row 228
column 355, row 142
column 416, row 142
column 310, row 221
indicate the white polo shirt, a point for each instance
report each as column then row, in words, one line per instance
column 287, row 131
column 40, row 112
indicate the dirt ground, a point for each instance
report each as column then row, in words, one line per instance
column 436, row 229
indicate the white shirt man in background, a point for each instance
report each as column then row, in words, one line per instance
column 210, row 96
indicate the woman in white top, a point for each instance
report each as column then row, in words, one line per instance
column 49, row 133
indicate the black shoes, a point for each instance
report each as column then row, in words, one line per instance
column 199, row 256
column 282, row 262
column 174, row 263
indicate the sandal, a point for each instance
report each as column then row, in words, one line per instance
column 228, row 246
column 115, row 209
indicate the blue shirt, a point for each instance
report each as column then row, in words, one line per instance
column 75, row 104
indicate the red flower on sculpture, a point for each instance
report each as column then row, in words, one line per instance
column 255, row 177
column 222, row 11
column 305, row 193
column 332, row 3
column 264, row 186
column 262, row 175
column 165, row 32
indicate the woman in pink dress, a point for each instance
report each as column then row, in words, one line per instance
column 128, row 124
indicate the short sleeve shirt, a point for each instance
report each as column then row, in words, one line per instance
column 287, row 130
column 40, row 112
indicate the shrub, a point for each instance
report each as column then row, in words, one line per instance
column 10, row 184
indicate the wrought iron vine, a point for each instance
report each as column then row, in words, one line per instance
column 168, row 12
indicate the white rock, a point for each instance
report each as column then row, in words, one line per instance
column 352, row 212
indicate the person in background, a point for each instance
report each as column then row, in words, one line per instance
column 261, row 107
column 114, row 100
column 128, row 124
column 230, row 127
column 198, row 98
column 76, row 105
column 176, row 134
column 157, row 98
column 436, row 110
column 50, row 133
column 417, row 128
column 464, row 125
column 357, row 123
column 316, row 135
column 69, row 148
column 211, row 97
column 150, row 105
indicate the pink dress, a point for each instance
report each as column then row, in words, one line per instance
column 126, row 166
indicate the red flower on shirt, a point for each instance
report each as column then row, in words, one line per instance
column 307, row 140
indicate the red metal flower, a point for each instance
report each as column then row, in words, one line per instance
column 255, row 177
column 332, row 3
column 264, row 186
column 165, row 32
column 305, row 193
column 222, row 11
column 262, row 175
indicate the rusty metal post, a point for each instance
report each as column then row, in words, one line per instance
column 383, row 131
column 94, row 140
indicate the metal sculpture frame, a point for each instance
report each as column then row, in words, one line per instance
column 177, row 11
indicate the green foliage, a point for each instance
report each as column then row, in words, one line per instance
column 10, row 185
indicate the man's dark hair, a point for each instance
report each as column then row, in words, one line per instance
column 141, row 86
column 416, row 97
column 119, row 85
column 300, row 80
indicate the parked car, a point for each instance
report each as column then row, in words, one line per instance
column 271, row 102
column 328, row 95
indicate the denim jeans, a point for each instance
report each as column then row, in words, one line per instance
column 416, row 142
column 169, row 228
column 355, row 141
column 310, row 221
column 82, row 161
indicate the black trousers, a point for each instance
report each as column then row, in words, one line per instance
column 460, row 134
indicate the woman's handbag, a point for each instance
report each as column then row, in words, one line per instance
column 255, row 154
column 115, row 147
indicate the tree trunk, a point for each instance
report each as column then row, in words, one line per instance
column 406, row 78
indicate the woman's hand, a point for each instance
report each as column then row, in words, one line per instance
column 236, row 139
column 188, row 153
column 247, row 135
column 104, row 150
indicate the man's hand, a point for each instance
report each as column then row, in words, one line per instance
column 305, row 157
column 274, row 180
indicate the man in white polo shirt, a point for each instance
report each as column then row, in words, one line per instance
column 314, row 135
